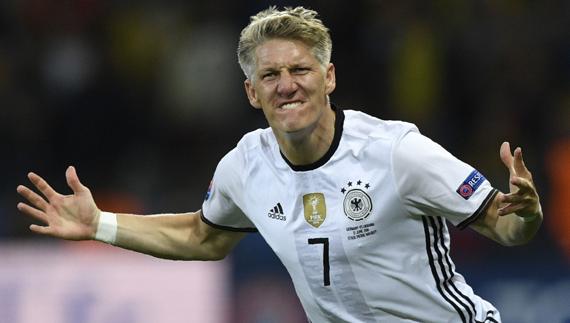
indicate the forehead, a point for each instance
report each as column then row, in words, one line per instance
column 283, row 52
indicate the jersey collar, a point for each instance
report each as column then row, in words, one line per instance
column 338, row 125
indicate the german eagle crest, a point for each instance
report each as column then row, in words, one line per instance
column 357, row 203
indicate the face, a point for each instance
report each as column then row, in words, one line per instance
column 290, row 86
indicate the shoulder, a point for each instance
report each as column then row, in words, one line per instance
column 249, row 146
column 361, row 125
column 256, row 139
column 236, row 164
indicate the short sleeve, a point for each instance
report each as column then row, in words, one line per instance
column 433, row 182
column 221, row 204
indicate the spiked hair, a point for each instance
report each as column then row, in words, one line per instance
column 291, row 23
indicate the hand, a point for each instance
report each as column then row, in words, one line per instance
column 72, row 217
column 523, row 199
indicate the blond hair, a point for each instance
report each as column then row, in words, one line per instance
column 291, row 23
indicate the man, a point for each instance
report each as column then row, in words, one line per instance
column 354, row 206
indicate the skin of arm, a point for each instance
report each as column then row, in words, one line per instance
column 508, row 230
column 174, row 236
column 76, row 216
column 504, row 219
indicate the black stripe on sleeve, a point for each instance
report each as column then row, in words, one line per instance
column 480, row 211
column 223, row 227
column 436, row 277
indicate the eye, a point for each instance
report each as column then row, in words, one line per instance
column 300, row 70
column 268, row 75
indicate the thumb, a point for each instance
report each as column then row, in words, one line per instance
column 73, row 180
column 507, row 157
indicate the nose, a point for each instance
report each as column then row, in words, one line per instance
column 287, row 84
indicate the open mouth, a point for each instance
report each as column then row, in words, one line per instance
column 291, row 105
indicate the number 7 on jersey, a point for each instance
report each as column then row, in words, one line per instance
column 326, row 265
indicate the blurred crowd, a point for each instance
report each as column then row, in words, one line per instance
column 144, row 97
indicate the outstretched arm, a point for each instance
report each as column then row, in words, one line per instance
column 76, row 217
column 513, row 218
column 181, row 236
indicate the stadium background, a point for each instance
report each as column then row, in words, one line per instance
column 145, row 97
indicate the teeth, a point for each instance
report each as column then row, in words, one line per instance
column 290, row 106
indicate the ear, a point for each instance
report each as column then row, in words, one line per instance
column 330, row 79
column 251, row 94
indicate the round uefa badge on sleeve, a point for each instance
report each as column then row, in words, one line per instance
column 357, row 203
column 465, row 190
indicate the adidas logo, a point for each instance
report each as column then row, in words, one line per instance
column 277, row 213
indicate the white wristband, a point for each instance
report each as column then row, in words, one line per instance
column 107, row 228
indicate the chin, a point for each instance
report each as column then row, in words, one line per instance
column 297, row 131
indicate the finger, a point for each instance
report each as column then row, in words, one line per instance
column 524, row 185
column 40, row 229
column 518, row 163
column 43, row 186
column 510, row 208
column 73, row 180
column 32, row 197
column 33, row 212
column 512, row 198
column 506, row 156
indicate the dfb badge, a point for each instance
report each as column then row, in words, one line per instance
column 357, row 203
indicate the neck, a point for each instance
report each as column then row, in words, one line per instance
column 309, row 145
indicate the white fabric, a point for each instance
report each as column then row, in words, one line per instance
column 427, row 177
column 385, row 193
column 107, row 228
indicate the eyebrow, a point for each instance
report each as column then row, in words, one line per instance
column 273, row 69
column 268, row 69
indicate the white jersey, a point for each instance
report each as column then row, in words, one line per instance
column 362, row 231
